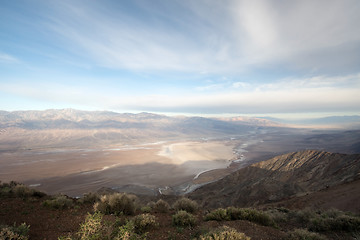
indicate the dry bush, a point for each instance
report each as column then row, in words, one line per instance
column 59, row 202
column 219, row 214
column 14, row 232
column 303, row 216
column 118, row 203
column 18, row 190
column 327, row 221
column 151, row 204
column 251, row 215
column 303, row 234
column 161, row 206
column 92, row 227
column 224, row 233
column 340, row 222
column 144, row 222
column 279, row 215
column 186, row 204
column 248, row 214
column 90, row 198
column 183, row 219
column 145, row 209
column 127, row 232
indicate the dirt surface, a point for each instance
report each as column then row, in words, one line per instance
column 49, row 224
column 344, row 197
column 44, row 223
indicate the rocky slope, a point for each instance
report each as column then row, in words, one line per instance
column 294, row 174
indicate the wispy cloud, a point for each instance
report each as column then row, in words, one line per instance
column 296, row 97
column 259, row 102
column 197, row 37
column 6, row 58
column 240, row 85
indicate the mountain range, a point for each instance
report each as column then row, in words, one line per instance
column 103, row 128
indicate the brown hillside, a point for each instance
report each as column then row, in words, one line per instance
column 289, row 175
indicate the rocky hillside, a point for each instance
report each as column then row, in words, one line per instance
column 294, row 174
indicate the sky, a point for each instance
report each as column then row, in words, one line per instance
column 203, row 57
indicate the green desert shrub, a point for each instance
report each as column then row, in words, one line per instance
column 5, row 190
column 118, row 203
column 303, row 234
column 90, row 198
column 161, row 206
column 92, row 228
column 151, row 204
column 183, row 219
column 224, row 233
column 95, row 228
column 18, row 190
column 59, row 202
column 233, row 213
column 325, row 223
column 144, row 222
column 186, row 204
column 303, row 216
column 219, row 214
column 251, row 215
column 23, row 191
column 127, row 232
column 145, row 209
column 15, row 232
column 279, row 215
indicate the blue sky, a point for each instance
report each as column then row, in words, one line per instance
column 197, row 57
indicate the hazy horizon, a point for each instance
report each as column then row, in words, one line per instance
column 278, row 116
column 291, row 60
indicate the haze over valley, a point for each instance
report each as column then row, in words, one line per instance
column 74, row 152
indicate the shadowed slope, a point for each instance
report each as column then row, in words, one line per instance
column 293, row 174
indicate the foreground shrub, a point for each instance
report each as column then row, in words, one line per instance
column 224, row 233
column 303, row 216
column 145, row 209
column 248, row 214
column 325, row 223
column 144, row 222
column 161, row 206
column 303, row 234
column 59, row 202
column 186, row 205
column 219, row 214
column 251, row 215
column 92, row 228
column 5, row 190
column 279, row 215
column 23, row 191
column 118, row 203
column 127, row 232
column 18, row 190
column 14, row 232
column 90, row 198
column 151, row 204
column 183, row 219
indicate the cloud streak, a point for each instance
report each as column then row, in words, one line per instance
column 6, row 58
column 326, row 96
column 201, row 38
